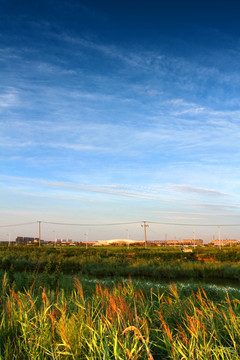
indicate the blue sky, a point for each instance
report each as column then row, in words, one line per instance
column 116, row 112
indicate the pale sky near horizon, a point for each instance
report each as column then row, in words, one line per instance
column 115, row 112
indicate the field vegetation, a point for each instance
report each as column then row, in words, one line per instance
column 53, row 307
column 156, row 263
column 117, row 322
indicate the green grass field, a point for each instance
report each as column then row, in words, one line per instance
column 53, row 307
column 155, row 263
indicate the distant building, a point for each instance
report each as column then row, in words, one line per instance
column 26, row 240
column 192, row 242
column 119, row 242
column 185, row 242
column 225, row 242
column 65, row 242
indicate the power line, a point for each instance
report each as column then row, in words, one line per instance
column 116, row 224
column 178, row 224
column 80, row 224
column 12, row 225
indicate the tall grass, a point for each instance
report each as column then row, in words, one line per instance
column 117, row 323
column 157, row 263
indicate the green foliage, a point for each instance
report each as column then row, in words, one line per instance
column 119, row 322
column 157, row 262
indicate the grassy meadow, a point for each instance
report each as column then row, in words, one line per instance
column 155, row 263
column 53, row 307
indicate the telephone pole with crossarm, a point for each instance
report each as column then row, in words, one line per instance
column 145, row 232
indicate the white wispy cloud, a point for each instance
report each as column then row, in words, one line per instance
column 218, row 206
column 189, row 213
column 9, row 98
column 150, row 192
column 133, row 121
column 112, row 189
column 197, row 190
column 183, row 218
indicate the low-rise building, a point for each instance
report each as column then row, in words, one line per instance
column 26, row 240
column 185, row 242
column 120, row 242
column 225, row 242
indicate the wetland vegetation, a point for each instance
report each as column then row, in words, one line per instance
column 156, row 263
column 119, row 303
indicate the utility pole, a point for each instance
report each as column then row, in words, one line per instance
column 166, row 239
column 55, row 238
column 127, row 236
column 145, row 232
column 194, row 237
column 9, row 239
column 86, row 238
column 219, row 237
column 39, row 232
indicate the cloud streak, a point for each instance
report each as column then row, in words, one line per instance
column 150, row 192
column 197, row 190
